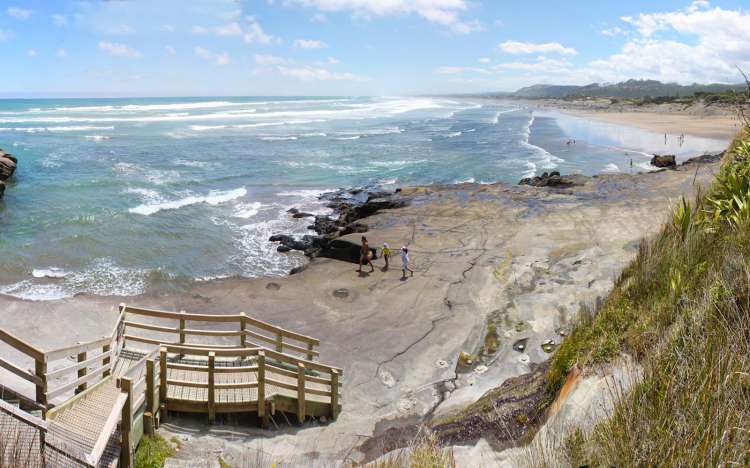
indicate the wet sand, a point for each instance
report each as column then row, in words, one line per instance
column 522, row 258
column 709, row 126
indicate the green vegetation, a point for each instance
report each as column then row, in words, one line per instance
column 682, row 308
column 153, row 451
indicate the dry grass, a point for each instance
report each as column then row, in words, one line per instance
column 682, row 308
column 424, row 452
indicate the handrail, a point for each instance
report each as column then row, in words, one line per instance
column 109, row 426
column 77, row 348
column 277, row 338
column 21, row 345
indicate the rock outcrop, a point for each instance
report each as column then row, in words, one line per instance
column 8, row 165
column 664, row 161
column 349, row 206
column 550, row 179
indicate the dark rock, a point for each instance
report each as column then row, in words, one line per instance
column 2, row 189
column 666, row 160
column 283, row 248
column 7, row 168
column 520, row 345
column 704, row 159
column 553, row 179
column 298, row 269
column 292, row 211
column 302, row 215
column 273, row 286
column 3, row 154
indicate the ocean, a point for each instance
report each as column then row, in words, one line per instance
column 116, row 196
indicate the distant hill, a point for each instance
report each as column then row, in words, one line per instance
column 631, row 89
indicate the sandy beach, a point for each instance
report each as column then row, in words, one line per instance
column 520, row 258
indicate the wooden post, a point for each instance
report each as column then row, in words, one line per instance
column 148, row 423
column 81, row 372
column 262, row 387
column 300, row 392
column 162, row 378
column 334, row 394
column 211, row 389
column 105, row 351
column 126, row 424
column 182, row 327
column 243, row 326
column 310, row 354
column 150, row 386
column 279, row 343
column 40, row 370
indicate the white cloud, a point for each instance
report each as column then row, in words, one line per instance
column 542, row 65
column 309, row 44
column 319, row 18
column 612, row 32
column 516, row 47
column 119, row 50
column 170, row 50
column 704, row 44
column 484, row 60
column 254, row 34
column 31, row 52
column 5, row 35
column 167, row 28
column 443, row 12
column 308, row 73
column 222, row 58
column 60, row 20
column 199, row 30
column 19, row 13
column 230, row 29
column 332, row 61
column 61, row 53
column 266, row 60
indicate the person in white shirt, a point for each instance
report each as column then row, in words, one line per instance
column 405, row 262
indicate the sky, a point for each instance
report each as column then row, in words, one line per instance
column 361, row 47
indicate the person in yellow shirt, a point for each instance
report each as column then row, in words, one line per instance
column 386, row 254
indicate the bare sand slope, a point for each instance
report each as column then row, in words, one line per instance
column 520, row 257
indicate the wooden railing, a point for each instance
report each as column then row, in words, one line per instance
column 268, row 364
column 88, row 368
column 140, row 412
column 251, row 332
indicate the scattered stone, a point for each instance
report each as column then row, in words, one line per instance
column 283, row 248
column 387, row 379
column 521, row 326
column 551, row 179
column 480, row 369
column 548, row 346
column 292, row 211
column 524, row 359
column 341, row 293
column 441, row 364
column 520, row 345
column 704, row 159
column 2, row 188
column 273, row 286
column 298, row 269
column 302, row 215
column 666, row 160
column 562, row 331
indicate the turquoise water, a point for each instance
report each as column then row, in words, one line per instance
column 113, row 196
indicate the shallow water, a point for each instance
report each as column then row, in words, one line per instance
column 114, row 196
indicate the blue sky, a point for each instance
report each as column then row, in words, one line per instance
column 375, row 47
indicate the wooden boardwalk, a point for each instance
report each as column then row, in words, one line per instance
column 123, row 385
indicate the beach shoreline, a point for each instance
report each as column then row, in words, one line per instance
column 500, row 254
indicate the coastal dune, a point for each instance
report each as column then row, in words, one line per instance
column 520, row 260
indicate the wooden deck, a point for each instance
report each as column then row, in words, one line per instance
column 120, row 385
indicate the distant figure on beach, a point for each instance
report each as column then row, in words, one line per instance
column 405, row 262
column 665, row 138
column 365, row 256
column 386, row 254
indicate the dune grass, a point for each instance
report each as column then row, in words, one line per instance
column 682, row 308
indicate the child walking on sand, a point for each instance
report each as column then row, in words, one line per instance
column 405, row 262
column 386, row 254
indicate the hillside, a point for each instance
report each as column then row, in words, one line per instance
column 631, row 89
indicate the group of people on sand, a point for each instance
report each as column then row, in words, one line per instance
column 365, row 257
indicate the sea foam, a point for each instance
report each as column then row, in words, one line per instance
column 214, row 197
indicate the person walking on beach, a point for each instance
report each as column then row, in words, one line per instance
column 365, row 256
column 386, row 254
column 405, row 262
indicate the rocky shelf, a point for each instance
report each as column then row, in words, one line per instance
column 349, row 206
